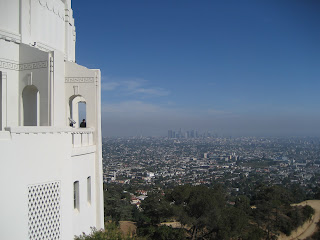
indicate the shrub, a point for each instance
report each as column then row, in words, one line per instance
column 111, row 232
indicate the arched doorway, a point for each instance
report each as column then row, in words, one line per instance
column 30, row 100
column 77, row 105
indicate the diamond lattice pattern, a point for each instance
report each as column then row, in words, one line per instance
column 44, row 211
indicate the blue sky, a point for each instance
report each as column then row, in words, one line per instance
column 231, row 67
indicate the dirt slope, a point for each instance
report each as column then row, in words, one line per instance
column 307, row 229
column 128, row 228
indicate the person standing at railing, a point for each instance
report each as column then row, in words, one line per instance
column 83, row 124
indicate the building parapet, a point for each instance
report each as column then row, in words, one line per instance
column 81, row 137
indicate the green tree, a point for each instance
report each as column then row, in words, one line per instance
column 117, row 203
column 199, row 207
column 243, row 203
column 162, row 233
column 274, row 213
column 156, row 208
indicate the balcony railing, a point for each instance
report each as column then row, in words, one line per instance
column 82, row 137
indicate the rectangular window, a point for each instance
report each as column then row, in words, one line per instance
column 89, row 189
column 76, row 200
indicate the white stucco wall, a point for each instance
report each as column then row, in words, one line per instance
column 83, row 167
column 37, row 71
column 9, row 62
column 42, row 158
column 58, row 90
column 45, row 24
column 10, row 18
column 37, row 42
column 81, row 81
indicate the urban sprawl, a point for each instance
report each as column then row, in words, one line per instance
column 240, row 164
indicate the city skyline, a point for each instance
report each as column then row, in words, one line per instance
column 234, row 68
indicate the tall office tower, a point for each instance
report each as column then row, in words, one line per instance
column 169, row 133
column 51, row 172
column 192, row 134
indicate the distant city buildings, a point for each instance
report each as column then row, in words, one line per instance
column 237, row 163
column 188, row 134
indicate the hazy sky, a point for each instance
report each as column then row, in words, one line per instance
column 231, row 67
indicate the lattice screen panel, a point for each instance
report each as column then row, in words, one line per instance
column 44, row 211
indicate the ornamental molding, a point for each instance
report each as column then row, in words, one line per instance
column 10, row 36
column 55, row 6
column 79, row 79
column 23, row 66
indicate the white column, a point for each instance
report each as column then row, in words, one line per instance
column 38, row 108
column 3, row 100
column 75, row 113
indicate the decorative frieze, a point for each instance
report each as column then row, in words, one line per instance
column 23, row 66
column 79, row 79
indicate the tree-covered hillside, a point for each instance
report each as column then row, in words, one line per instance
column 207, row 213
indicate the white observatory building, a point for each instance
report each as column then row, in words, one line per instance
column 51, row 172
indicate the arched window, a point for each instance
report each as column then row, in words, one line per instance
column 30, row 99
